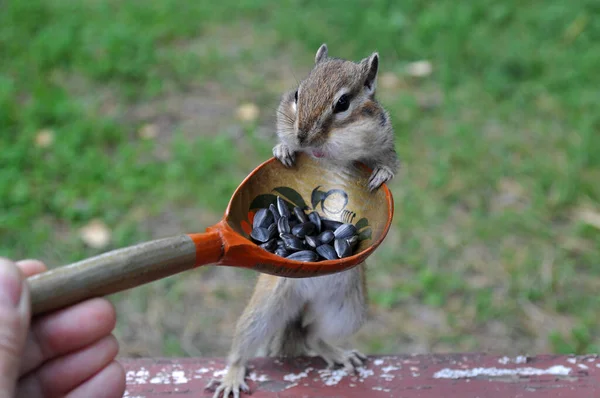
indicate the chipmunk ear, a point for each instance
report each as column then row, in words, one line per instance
column 370, row 68
column 321, row 53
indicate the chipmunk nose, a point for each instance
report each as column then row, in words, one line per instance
column 302, row 135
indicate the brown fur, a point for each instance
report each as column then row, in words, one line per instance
column 364, row 133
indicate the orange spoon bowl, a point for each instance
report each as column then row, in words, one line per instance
column 336, row 194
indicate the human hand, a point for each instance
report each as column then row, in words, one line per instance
column 67, row 353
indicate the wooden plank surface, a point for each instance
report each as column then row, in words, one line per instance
column 402, row 376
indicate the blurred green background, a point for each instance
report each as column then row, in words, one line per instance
column 122, row 121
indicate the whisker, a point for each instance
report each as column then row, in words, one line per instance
column 293, row 74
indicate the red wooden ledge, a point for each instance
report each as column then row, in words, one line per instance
column 402, row 376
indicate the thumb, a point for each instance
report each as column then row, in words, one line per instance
column 14, row 324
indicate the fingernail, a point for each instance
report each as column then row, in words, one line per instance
column 11, row 284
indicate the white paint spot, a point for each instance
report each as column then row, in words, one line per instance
column 387, row 376
column 557, row 370
column 291, row 386
column 364, row 373
column 389, row 368
column 179, row 377
column 521, row 359
column 294, row 377
column 352, row 385
column 415, row 374
column 161, row 378
column 518, row 360
column 571, row 360
column 219, row 373
column 203, row 370
column 254, row 377
column 139, row 377
column 378, row 362
column 381, row 389
column 598, row 365
column 582, row 366
column 332, row 377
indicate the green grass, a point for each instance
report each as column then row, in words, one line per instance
column 486, row 228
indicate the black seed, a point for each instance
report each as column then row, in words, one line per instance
column 301, row 230
column 282, row 252
column 272, row 230
column 293, row 222
column 304, row 255
column 280, row 243
column 260, row 234
column 283, row 226
column 352, row 241
column 292, row 243
column 270, row 245
column 312, row 241
column 344, row 231
column 342, row 248
column 326, row 236
column 262, row 219
column 300, row 215
column 327, row 252
column 315, row 219
column 274, row 212
column 330, row 224
column 282, row 207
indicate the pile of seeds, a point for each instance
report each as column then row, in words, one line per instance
column 302, row 237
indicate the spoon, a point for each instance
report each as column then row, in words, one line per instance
column 340, row 195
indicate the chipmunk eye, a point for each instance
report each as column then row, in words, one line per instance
column 342, row 104
column 296, row 96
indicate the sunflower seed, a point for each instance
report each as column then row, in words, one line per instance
column 280, row 251
column 312, row 241
column 352, row 241
column 274, row 212
column 283, row 226
column 269, row 245
column 300, row 215
column 301, row 230
column 326, row 236
column 280, row 243
column 304, row 255
column 272, row 230
column 262, row 219
column 284, row 211
column 330, row 224
column 342, row 248
column 260, row 234
column 344, row 231
column 315, row 219
column 292, row 243
column 327, row 252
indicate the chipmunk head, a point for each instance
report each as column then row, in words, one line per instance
column 336, row 98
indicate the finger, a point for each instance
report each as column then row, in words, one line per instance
column 31, row 267
column 109, row 383
column 67, row 330
column 61, row 375
column 14, row 322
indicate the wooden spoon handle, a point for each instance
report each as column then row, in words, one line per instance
column 121, row 269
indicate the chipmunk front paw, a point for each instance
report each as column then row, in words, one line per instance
column 380, row 175
column 231, row 383
column 284, row 154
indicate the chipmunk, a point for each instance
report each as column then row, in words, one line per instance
column 333, row 115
